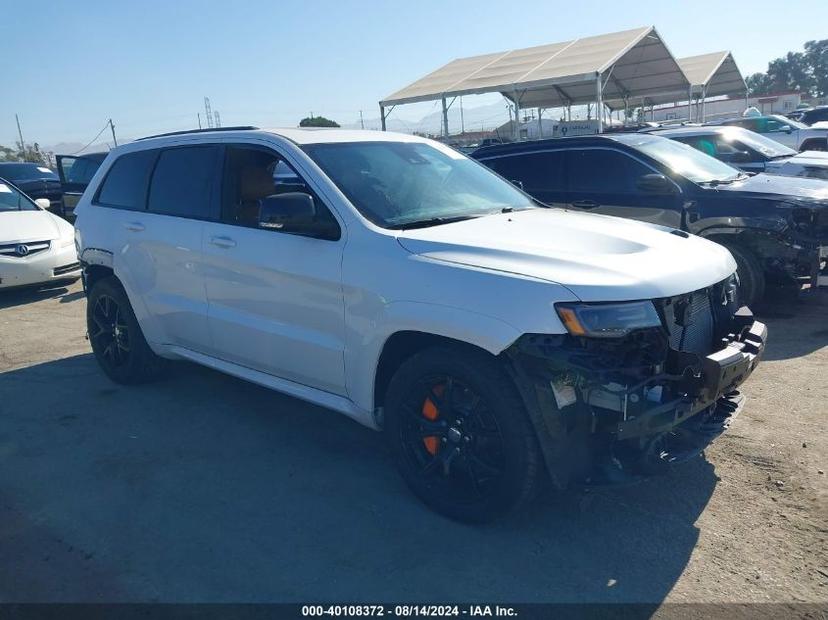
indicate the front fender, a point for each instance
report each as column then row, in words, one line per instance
column 483, row 331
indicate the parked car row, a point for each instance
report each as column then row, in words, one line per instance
column 786, row 131
column 496, row 341
column 61, row 189
column 749, row 151
column 810, row 116
column 775, row 227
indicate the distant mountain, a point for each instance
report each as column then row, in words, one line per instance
column 474, row 119
column 69, row 148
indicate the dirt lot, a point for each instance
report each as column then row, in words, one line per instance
column 206, row 488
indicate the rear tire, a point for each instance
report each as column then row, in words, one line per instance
column 751, row 275
column 115, row 336
column 460, row 434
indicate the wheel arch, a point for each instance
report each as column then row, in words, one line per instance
column 401, row 346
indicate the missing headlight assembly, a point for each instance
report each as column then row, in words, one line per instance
column 630, row 377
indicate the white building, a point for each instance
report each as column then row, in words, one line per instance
column 779, row 103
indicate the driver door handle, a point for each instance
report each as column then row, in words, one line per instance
column 223, row 242
column 585, row 204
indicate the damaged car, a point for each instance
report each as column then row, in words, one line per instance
column 776, row 227
column 497, row 342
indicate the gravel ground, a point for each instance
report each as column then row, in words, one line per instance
column 205, row 488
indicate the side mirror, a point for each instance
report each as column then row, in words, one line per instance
column 655, row 184
column 290, row 212
column 43, row 203
column 786, row 128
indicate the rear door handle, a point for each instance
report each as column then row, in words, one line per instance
column 585, row 204
column 223, row 242
column 134, row 226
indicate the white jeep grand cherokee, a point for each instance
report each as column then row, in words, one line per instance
column 497, row 341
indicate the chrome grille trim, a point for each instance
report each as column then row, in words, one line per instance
column 10, row 250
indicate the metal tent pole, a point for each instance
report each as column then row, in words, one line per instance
column 382, row 116
column 445, row 119
column 540, row 124
column 704, row 98
column 690, row 104
column 599, row 102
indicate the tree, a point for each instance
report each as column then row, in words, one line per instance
column 317, row 121
column 816, row 55
column 806, row 72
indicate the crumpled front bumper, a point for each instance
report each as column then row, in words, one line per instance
column 606, row 414
column 720, row 374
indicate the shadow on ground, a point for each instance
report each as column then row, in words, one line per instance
column 206, row 488
column 800, row 316
column 10, row 298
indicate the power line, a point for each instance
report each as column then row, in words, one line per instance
column 103, row 129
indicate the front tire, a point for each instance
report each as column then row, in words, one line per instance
column 751, row 275
column 461, row 435
column 115, row 336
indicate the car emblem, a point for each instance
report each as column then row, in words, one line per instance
column 22, row 249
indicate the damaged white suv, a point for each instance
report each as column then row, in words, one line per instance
column 497, row 341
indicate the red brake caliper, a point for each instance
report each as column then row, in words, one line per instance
column 430, row 412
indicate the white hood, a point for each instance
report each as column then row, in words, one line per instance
column 32, row 226
column 599, row 258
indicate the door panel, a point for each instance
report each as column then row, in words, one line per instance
column 604, row 181
column 275, row 303
column 164, row 259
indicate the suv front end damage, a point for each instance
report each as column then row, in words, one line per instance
column 612, row 408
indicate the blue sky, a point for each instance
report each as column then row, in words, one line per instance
column 70, row 65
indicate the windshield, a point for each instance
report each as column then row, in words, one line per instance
column 789, row 121
column 766, row 146
column 395, row 184
column 682, row 159
column 26, row 172
column 12, row 200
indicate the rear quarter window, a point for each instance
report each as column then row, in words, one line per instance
column 538, row 172
column 125, row 185
column 184, row 182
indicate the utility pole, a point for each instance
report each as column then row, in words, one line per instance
column 361, row 121
column 112, row 128
column 199, row 119
column 217, row 119
column 20, row 133
column 208, row 114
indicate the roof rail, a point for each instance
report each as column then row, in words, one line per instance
column 189, row 131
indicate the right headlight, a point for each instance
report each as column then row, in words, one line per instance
column 607, row 320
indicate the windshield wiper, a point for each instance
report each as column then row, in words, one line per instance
column 715, row 182
column 432, row 221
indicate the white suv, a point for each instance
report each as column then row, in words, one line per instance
column 497, row 341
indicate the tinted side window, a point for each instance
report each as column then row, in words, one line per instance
column 185, row 181
column 251, row 176
column 603, row 171
column 125, row 185
column 539, row 172
column 713, row 145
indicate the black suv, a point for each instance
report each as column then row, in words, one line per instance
column 76, row 171
column 776, row 227
column 810, row 116
column 36, row 181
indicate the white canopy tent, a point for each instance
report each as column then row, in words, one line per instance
column 710, row 75
column 621, row 65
